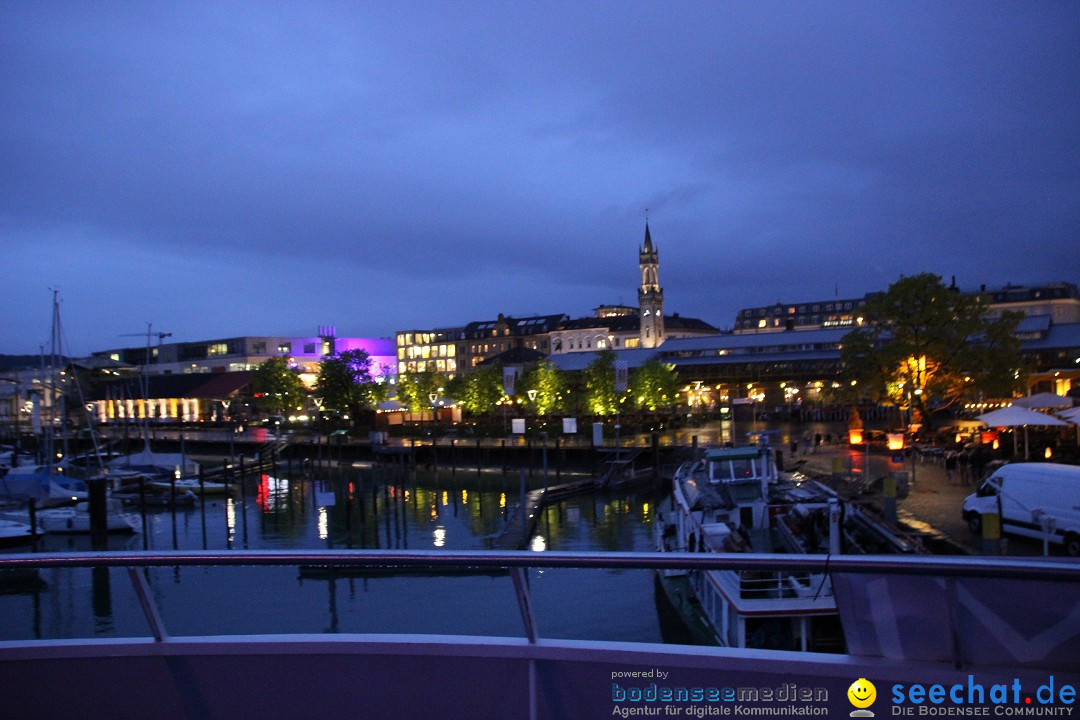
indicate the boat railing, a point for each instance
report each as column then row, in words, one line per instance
column 750, row 574
column 780, row 591
column 383, row 671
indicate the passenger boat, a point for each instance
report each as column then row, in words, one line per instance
column 734, row 500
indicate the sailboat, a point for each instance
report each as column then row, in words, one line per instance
column 157, row 465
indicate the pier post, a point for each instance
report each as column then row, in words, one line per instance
column 142, row 510
column 99, row 530
column 524, row 509
column 543, row 446
column 655, row 457
column 559, row 453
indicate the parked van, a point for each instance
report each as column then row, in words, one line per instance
column 1031, row 497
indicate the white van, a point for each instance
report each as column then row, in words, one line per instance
column 1031, row 497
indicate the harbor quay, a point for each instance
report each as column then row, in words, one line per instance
column 930, row 505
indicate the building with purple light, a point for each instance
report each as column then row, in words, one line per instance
column 248, row 352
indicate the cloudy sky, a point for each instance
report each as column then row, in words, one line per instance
column 261, row 168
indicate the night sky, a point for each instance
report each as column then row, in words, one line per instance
column 257, row 168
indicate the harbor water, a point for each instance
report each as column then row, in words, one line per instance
column 370, row 508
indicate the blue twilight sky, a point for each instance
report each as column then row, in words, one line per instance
column 261, row 168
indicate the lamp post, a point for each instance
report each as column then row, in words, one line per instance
column 433, row 397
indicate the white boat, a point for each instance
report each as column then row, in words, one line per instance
column 14, row 533
column 189, row 485
column 734, row 500
column 155, row 463
column 76, row 518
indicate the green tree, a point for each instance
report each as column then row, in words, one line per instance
column 550, row 385
column 277, row 387
column 414, row 390
column 345, row 382
column 655, row 385
column 480, row 390
column 599, row 376
column 924, row 345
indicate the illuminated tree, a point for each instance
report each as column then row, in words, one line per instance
column 346, row 383
column 480, row 390
column 600, row 395
column 550, row 386
column 277, row 388
column 924, row 345
column 654, row 385
column 414, row 390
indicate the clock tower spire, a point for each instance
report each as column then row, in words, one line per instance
column 650, row 295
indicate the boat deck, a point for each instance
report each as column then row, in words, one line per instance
column 970, row 635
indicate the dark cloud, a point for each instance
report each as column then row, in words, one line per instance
column 263, row 168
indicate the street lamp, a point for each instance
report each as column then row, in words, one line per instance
column 433, row 397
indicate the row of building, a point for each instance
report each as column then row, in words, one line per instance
column 776, row 354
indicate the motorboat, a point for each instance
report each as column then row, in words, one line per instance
column 76, row 518
column 734, row 500
column 189, row 485
column 14, row 533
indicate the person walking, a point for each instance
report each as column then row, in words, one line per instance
column 950, row 467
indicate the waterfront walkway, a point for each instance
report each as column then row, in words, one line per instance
column 932, row 501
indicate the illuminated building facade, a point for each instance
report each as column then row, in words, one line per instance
column 240, row 354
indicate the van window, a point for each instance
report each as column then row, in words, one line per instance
column 987, row 489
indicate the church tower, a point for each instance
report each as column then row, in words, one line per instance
column 650, row 295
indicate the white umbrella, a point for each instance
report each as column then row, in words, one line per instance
column 1073, row 414
column 1044, row 400
column 1014, row 416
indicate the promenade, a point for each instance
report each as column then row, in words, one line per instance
column 932, row 501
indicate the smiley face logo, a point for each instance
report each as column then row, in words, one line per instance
column 862, row 693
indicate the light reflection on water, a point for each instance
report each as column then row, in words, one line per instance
column 354, row 510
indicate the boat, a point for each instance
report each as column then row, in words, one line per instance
column 40, row 482
column 157, row 464
column 76, row 518
column 14, row 533
column 734, row 500
column 189, row 485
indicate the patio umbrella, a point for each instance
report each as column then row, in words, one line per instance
column 1014, row 416
column 1073, row 416
column 1044, row 400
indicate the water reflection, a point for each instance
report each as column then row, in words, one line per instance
column 374, row 509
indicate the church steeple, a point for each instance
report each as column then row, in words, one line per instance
column 650, row 295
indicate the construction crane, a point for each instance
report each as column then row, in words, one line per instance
column 148, row 334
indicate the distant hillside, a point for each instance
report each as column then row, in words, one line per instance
column 20, row 362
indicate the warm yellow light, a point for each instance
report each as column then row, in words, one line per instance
column 855, row 436
column 1048, row 453
column 896, row 441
